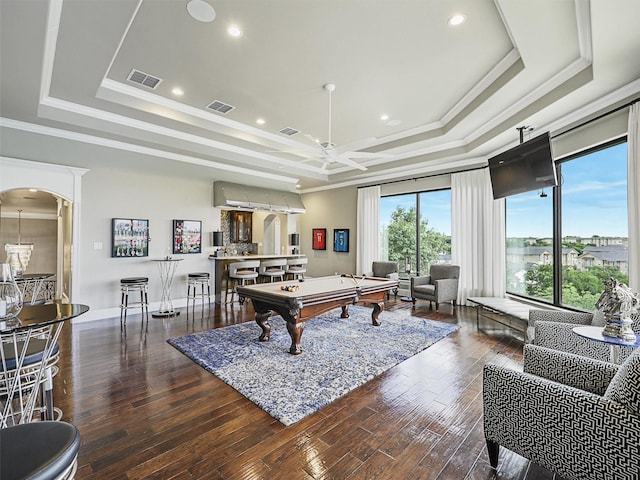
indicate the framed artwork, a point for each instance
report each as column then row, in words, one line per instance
column 341, row 240
column 129, row 237
column 319, row 236
column 187, row 236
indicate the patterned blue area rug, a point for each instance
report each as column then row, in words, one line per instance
column 339, row 354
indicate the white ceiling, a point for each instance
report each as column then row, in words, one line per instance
column 456, row 94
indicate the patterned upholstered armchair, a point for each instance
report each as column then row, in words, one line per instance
column 554, row 329
column 573, row 415
column 441, row 285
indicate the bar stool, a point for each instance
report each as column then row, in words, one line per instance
column 134, row 284
column 195, row 280
column 39, row 450
column 271, row 269
column 26, row 386
column 240, row 272
column 296, row 267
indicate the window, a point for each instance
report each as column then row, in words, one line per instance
column 399, row 216
column 592, row 220
column 529, row 245
column 594, row 224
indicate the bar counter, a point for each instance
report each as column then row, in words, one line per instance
column 219, row 268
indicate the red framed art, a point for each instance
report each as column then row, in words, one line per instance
column 319, row 236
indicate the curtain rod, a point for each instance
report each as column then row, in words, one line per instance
column 423, row 176
column 605, row 114
column 617, row 109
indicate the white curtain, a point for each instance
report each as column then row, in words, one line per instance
column 633, row 195
column 367, row 236
column 477, row 235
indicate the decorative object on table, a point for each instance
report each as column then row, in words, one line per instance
column 217, row 240
column 319, row 236
column 618, row 302
column 18, row 254
column 10, row 294
column 187, row 236
column 130, row 237
column 341, row 354
column 341, row 240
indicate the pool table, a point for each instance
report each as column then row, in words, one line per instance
column 313, row 297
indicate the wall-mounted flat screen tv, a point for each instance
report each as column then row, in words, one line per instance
column 528, row 166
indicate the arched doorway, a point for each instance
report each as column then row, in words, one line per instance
column 64, row 183
column 271, row 240
column 29, row 216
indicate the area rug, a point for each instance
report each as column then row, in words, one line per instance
column 338, row 355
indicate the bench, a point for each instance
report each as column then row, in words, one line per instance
column 505, row 311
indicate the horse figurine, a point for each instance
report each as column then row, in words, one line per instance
column 618, row 303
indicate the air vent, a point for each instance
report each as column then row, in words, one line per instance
column 288, row 131
column 220, row 107
column 141, row 78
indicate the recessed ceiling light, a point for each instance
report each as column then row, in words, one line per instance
column 177, row 91
column 456, row 20
column 201, row 10
column 384, row 117
column 234, row 31
column 260, row 121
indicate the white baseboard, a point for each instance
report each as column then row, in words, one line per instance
column 114, row 312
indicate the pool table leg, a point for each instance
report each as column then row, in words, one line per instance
column 295, row 332
column 262, row 321
column 377, row 308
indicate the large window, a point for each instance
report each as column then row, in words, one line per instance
column 594, row 224
column 416, row 230
column 529, row 245
column 591, row 220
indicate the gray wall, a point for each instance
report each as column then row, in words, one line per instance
column 329, row 209
column 130, row 193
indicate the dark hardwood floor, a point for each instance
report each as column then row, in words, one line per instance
column 144, row 410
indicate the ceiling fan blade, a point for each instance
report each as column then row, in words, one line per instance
column 349, row 162
column 367, row 155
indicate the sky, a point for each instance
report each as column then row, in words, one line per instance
column 594, row 201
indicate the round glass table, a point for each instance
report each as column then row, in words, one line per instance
column 595, row 333
column 28, row 353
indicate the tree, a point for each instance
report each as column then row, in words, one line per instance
column 402, row 240
column 580, row 289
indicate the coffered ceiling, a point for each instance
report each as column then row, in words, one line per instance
column 415, row 94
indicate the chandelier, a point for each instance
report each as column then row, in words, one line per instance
column 18, row 254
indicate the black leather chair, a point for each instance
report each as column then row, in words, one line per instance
column 39, row 451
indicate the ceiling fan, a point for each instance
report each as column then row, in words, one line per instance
column 328, row 153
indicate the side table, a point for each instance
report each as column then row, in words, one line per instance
column 167, row 267
column 595, row 334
